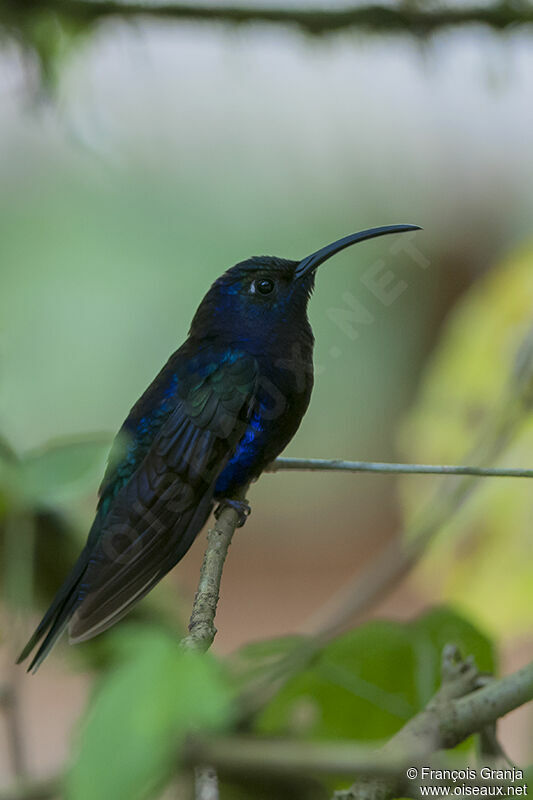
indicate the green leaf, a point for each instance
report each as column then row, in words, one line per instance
column 432, row 632
column 139, row 716
column 368, row 683
column 63, row 470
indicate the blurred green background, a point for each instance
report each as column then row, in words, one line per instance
column 169, row 152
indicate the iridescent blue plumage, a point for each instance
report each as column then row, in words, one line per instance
column 240, row 466
column 223, row 407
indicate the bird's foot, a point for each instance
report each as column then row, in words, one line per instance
column 240, row 506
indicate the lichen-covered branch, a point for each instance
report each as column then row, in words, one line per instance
column 459, row 709
column 202, row 630
column 205, row 783
column 465, row 704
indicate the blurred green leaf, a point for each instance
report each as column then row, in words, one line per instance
column 56, row 546
column 6, row 451
column 367, row 684
column 157, row 611
column 432, row 632
column 140, row 714
column 481, row 561
column 17, row 545
column 39, row 541
column 65, row 469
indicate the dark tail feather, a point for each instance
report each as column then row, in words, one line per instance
column 56, row 618
column 58, row 626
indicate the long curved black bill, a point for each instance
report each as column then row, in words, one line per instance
column 310, row 263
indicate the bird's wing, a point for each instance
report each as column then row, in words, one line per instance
column 137, row 434
column 154, row 518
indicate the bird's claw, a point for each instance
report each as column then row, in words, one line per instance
column 240, row 506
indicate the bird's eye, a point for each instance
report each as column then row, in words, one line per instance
column 263, row 286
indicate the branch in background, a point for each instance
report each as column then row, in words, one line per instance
column 365, row 589
column 33, row 790
column 388, row 570
column 288, row 757
column 376, row 18
column 205, row 783
column 10, row 705
column 383, row 468
column 459, row 709
column 202, row 629
column 489, row 748
column 405, row 551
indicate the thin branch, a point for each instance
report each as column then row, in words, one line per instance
column 371, row 586
column 202, row 630
column 486, row 705
column 458, row 710
column 354, row 599
column 383, row 468
column 365, row 589
column 10, row 705
column 205, row 783
column 388, row 570
column 375, row 17
column 291, row 758
column 47, row 789
column 401, row 555
column 489, row 749
column 405, row 551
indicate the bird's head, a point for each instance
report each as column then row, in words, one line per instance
column 259, row 298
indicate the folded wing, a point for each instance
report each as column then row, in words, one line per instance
column 154, row 518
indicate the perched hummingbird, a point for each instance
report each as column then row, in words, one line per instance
column 221, row 410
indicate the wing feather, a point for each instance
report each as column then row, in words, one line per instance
column 156, row 516
column 156, row 497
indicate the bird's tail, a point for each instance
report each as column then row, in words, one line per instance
column 58, row 615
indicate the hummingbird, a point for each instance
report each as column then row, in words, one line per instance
column 222, row 408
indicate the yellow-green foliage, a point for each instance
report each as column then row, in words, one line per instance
column 482, row 560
